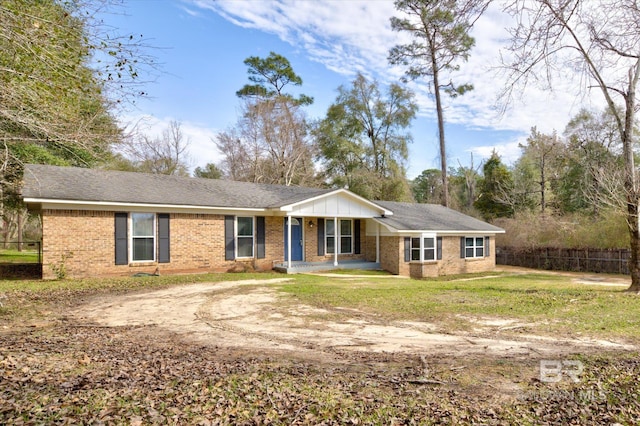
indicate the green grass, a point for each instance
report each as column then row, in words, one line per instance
column 122, row 283
column 15, row 256
column 33, row 298
column 553, row 302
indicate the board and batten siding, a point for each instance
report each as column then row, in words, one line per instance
column 335, row 205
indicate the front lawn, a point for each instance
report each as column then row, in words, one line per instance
column 552, row 302
column 56, row 369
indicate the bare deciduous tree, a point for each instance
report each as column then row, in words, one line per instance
column 166, row 154
column 592, row 161
column 270, row 144
column 602, row 40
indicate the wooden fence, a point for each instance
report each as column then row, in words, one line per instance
column 561, row 259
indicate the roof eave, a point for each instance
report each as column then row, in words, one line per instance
column 440, row 232
column 44, row 202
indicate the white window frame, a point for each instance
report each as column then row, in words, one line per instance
column 478, row 250
column 252, row 237
column 327, row 236
column 335, row 242
column 422, row 247
column 133, row 237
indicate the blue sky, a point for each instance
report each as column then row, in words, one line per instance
column 202, row 45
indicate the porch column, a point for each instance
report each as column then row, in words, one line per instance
column 288, row 242
column 377, row 242
column 336, row 240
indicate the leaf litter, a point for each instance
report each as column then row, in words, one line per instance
column 67, row 370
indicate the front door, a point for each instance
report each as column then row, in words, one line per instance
column 296, row 239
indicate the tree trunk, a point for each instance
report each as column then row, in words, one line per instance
column 634, row 236
column 630, row 182
column 20, row 229
column 443, row 150
column 543, row 183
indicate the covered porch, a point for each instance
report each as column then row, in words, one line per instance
column 304, row 267
column 329, row 232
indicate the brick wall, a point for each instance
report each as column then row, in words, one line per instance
column 274, row 238
column 86, row 239
column 197, row 243
column 423, row 270
column 451, row 262
column 392, row 259
column 392, row 255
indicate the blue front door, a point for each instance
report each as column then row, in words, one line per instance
column 296, row 239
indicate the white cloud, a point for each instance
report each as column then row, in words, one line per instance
column 355, row 36
column 509, row 152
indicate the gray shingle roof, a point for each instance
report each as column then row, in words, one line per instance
column 431, row 217
column 79, row 184
column 94, row 185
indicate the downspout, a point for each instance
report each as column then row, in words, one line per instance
column 336, row 242
column 377, row 242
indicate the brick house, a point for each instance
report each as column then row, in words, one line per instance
column 108, row 222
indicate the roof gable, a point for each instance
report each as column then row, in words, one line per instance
column 337, row 203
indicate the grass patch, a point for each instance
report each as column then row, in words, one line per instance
column 123, row 283
column 552, row 302
column 15, row 256
column 32, row 299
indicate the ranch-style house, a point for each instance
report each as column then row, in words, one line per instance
column 102, row 222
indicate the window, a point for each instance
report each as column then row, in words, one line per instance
column 474, row 247
column 424, row 245
column 346, row 236
column 244, row 235
column 330, row 234
column 143, row 237
column 429, row 248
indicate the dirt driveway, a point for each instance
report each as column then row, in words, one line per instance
column 253, row 315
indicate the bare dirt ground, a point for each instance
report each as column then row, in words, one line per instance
column 253, row 315
column 244, row 353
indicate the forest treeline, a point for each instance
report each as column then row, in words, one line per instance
column 565, row 190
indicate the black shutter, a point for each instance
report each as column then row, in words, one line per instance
column 439, row 248
column 260, row 237
column 462, row 247
column 407, row 249
column 320, row 237
column 487, row 247
column 356, row 235
column 163, row 238
column 121, row 249
column 229, row 238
